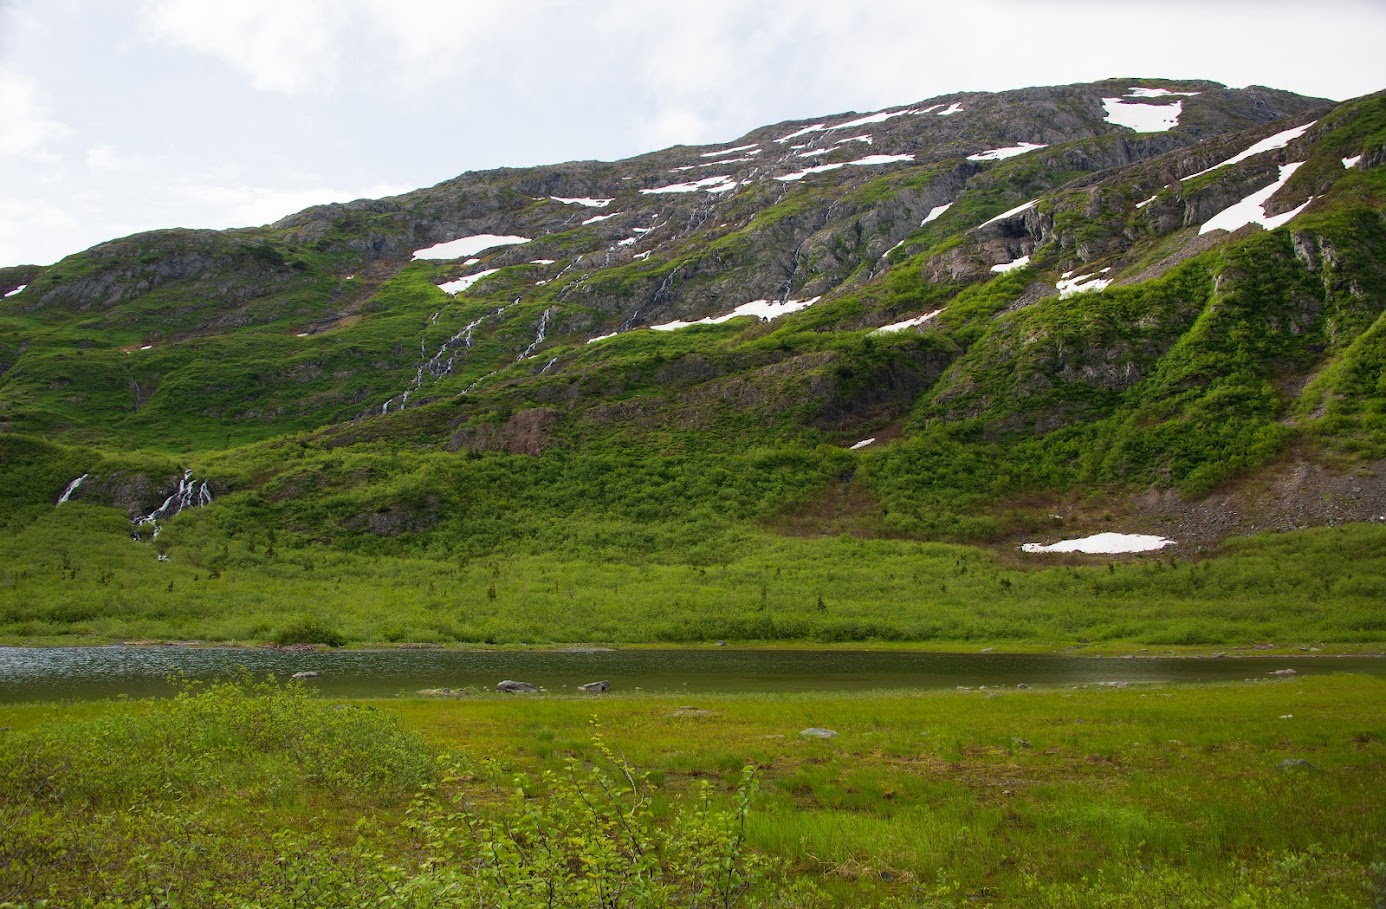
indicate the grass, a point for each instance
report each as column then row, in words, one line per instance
column 1175, row 795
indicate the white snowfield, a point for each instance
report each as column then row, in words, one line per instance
column 728, row 151
column 868, row 161
column 466, row 246
column 935, row 213
column 881, row 117
column 602, row 337
column 867, row 139
column 1067, row 286
column 1147, row 201
column 816, row 128
column 1001, row 154
column 1143, row 118
column 1348, row 164
column 16, row 290
column 908, row 323
column 1011, row 266
column 589, row 203
column 862, row 444
column 1104, row 543
column 461, row 284
column 799, row 175
column 595, row 219
column 1005, row 215
column 1252, row 209
column 1279, row 140
column 955, row 108
column 765, row 310
column 1156, row 93
column 716, row 184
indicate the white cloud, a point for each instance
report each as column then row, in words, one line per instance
column 288, row 46
column 26, row 129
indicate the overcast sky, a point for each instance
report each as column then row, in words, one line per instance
column 124, row 115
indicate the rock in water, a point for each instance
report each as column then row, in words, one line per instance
column 510, row 686
column 304, row 675
column 1284, row 672
column 595, row 687
column 815, row 732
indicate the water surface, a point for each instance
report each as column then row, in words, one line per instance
column 30, row 674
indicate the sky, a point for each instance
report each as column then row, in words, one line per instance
column 118, row 116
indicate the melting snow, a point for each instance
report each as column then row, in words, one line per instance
column 866, row 139
column 1143, row 118
column 875, row 160
column 955, row 108
column 595, row 218
column 471, row 262
column 820, row 169
column 589, row 203
column 863, row 443
column 602, row 337
column 629, row 241
column 1146, row 202
column 466, row 246
column 728, row 151
column 541, row 261
column 1251, row 210
column 765, row 310
column 22, row 286
column 147, row 347
column 1348, row 164
column 1011, row 266
column 1279, row 140
column 721, row 161
column 1001, row 154
column 818, row 127
column 1105, row 543
column 644, row 255
column 873, row 118
column 1067, row 287
column 711, row 184
column 461, row 284
column 908, row 323
column 935, row 213
column 1010, row 214
column 1156, row 93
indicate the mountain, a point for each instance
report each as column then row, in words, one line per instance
column 1138, row 304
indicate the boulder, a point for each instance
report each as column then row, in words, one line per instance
column 1286, row 673
column 815, row 732
column 595, row 687
column 509, row 686
column 304, row 675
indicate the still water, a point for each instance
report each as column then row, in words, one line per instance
column 30, row 674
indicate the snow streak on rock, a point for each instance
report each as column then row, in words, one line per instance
column 461, row 284
column 1156, row 93
column 1348, row 164
column 955, row 108
column 16, row 290
column 1011, row 266
column 935, row 213
column 1252, row 210
column 711, row 184
column 466, row 246
column 1279, row 140
column 765, row 310
column 588, row 203
column 71, row 488
column 1006, row 215
column 1147, row 201
column 818, row 127
column 1001, row 154
column 1067, row 286
column 908, row 323
column 728, row 151
column 1104, row 543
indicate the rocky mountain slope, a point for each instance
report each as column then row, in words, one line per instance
column 954, row 319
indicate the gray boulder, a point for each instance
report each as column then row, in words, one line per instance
column 595, row 687
column 509, row 686
column 304, row 675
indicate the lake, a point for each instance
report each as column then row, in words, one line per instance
column 61, row 673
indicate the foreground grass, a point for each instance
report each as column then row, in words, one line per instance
column 1095, row 797
column 75, row 574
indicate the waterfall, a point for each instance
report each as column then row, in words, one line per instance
column 539, row 335
column 189, row 494
column 71, row 488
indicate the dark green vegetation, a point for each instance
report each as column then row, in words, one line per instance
column 1266, row 795
column 391, row 462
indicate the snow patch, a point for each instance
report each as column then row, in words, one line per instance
column 22, row 286
column 1251, row 210
column 877, row 160
column 862, row 444
column 589, row 203
column 1010, row 214
column 820, row 169
column 602, row 337
column 1279, row 140
column 466, row 246
column 873, row 118
column 461, row 284
column 1348, row 164
column 935, row 213
column 541, row 261
column 711, row 184
column 1104, row 543
column 908, row 323
column 1143, row 118
column 765, row 310
column 1146, row 202
column 955, row 108
column 1001, row 154
column 728, row 151
column 596, row 218
column 1067, row 287
column 816, row 128
column 1011, row 266
column 629, row 241
column 867, row 139
column 1156, row 93
column 644, row 255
